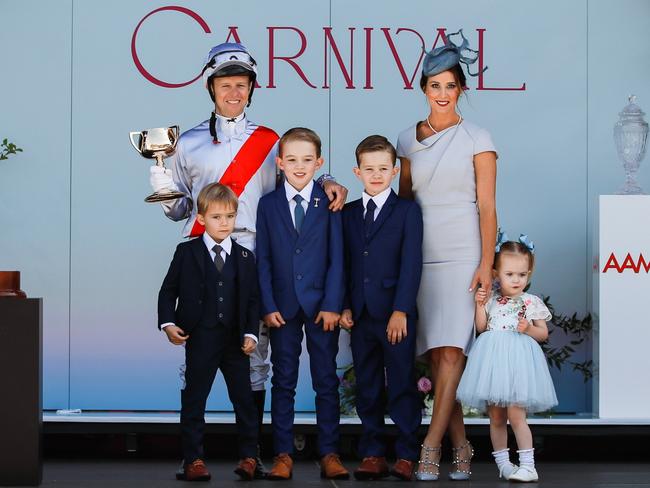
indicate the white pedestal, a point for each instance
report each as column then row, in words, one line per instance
column 623, row 336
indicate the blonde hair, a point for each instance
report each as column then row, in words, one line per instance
column 216, row 193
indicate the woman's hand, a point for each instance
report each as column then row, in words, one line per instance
column 483, row 277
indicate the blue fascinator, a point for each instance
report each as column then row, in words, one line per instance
column 445, row 57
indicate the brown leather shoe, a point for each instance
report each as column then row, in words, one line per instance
column 246, row 469
column 332, row 469
column 372, row 468
column 282, row 467
column 403, row 469
column 195, row 471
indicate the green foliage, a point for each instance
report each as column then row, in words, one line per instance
column 7, row 149
column 578, row 330
column 347, row 387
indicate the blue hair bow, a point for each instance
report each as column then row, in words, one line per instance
column 523, row 238
column 502, row 238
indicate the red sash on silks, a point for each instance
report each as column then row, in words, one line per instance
column 244, row 165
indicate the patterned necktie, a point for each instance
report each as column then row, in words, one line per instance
column 218, row 260
column 370, row 216
column 298, row 212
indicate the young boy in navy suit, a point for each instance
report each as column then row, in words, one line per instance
column 383, row 250
column 300, row 268
column 209, row 301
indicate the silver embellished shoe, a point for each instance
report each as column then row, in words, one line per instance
column 461, row 474
column 428, row 468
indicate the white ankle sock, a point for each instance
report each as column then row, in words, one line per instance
column 527, row 457
column 502, row 457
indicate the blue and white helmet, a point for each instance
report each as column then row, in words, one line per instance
column 228, row 59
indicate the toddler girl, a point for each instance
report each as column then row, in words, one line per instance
column 506, row 368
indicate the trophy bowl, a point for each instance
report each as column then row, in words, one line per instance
column 157, row 144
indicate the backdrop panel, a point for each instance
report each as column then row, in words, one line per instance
column 35, row 48
column 79, row 76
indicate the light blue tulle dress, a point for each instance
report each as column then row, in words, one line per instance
column 505, row 367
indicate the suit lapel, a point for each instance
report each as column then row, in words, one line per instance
column 239, row 254
column 357, row 218
column 199, row 250
column 386, row 210
column 283, row 210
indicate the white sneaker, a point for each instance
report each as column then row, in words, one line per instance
column 524, row 474
column 506, row 470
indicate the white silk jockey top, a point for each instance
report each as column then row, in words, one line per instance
column 198, row 162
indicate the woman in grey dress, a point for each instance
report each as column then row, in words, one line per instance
column 448, row 165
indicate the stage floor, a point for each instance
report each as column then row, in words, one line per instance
column 120, row 417
column 160, row 474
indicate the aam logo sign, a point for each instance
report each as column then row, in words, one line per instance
column 639, row 265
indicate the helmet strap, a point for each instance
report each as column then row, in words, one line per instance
column 213, row 128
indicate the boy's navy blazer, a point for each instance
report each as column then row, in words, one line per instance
column 299, row 271
column 192, row 280
column 383, row 269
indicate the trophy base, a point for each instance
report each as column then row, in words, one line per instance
column 631, row 190
column 164, row 196
column 10, row 284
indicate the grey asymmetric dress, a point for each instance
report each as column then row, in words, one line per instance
column 444, row 184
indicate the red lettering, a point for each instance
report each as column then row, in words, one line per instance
column 408, row 82
column 642, row 262
column 611, row 263
column 134, row 53
column 288, row 59
column 349, row 77
column 629, row 263
column 368, row 85
column 481, row 64
column 232, row 32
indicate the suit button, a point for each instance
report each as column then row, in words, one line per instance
column 221, row 299
column 365, row 253
column 200, row 302
column 220, row 283
column 299, row 277
column 220, row 315
column 298, row 251
column 366, row 280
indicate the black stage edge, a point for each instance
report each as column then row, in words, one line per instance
column 553, row 443
column 20, row 387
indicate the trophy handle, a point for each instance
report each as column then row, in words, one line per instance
column 176, row 131
column 131, row 139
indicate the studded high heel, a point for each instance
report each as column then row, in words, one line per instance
column 461, row 474
column 425, row 470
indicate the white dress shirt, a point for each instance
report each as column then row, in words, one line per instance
column 379, row 199
column 305, row 193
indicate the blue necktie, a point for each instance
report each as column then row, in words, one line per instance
column 298, row 212
column 370, row 216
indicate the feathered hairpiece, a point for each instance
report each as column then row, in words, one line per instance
column 445, row 57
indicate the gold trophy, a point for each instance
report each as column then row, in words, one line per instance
column 156, row 144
